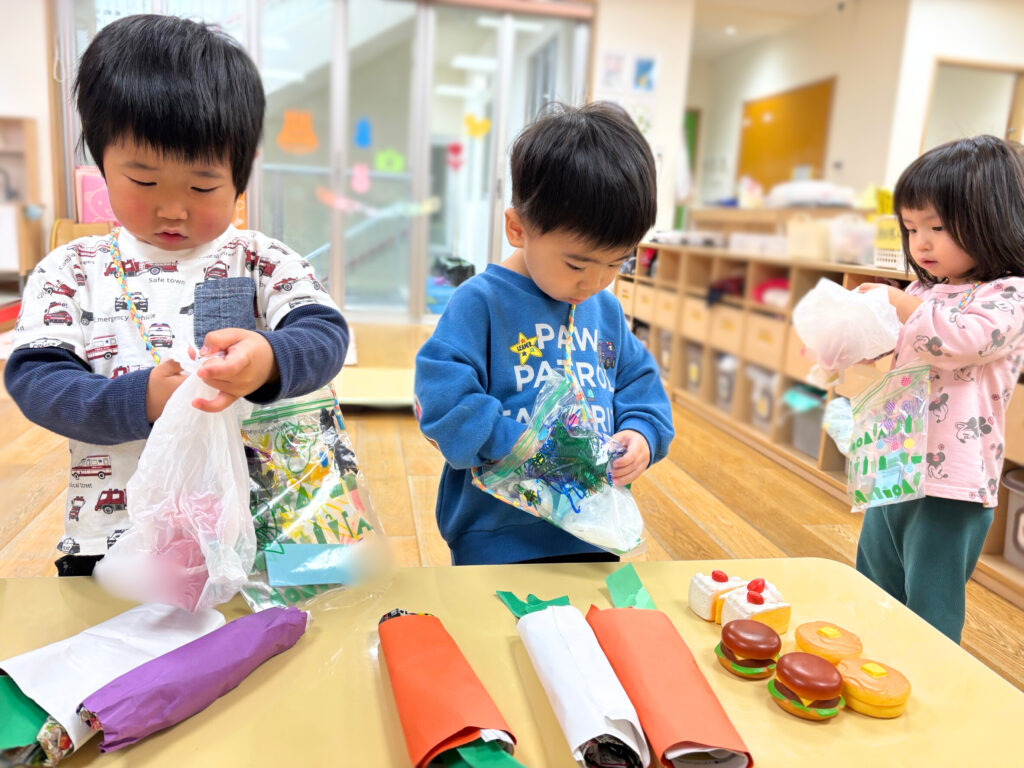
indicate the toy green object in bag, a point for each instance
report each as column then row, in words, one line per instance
column 308, row 501
column 560, row 470
column 890, row 439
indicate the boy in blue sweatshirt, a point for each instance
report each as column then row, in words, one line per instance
column 583, row 195
column 172, row 113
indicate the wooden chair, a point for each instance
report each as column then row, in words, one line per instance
column 66, row 230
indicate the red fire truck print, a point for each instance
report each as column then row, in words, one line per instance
column 76, row 506
column 111, row 500
column 56, row 313
column 60, row 288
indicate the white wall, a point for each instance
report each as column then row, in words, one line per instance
column 979, row 32
column 661, row 29
column 24, row 84
column 967, row 101
column 859, row 46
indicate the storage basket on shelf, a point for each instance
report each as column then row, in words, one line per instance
column 889, row 244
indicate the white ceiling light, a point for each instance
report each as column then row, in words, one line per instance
column 730, row 30
column 456, row 91
column 475, row 63
column 493, row 22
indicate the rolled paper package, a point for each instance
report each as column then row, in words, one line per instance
column 441, row 702
column 681, row 715
column 592, row 708
column 178, row 684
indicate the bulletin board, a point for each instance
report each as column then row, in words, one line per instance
column 786, row 131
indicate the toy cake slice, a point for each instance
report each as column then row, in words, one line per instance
column 707, row 591
column 760, row 601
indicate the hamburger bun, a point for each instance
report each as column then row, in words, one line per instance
column 825, row 639
column 807, row 686
column 873, row 688
column 749, row 649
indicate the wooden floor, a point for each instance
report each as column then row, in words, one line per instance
column 712, row 498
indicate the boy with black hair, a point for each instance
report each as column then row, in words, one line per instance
column 583, row 195
column 172, row 112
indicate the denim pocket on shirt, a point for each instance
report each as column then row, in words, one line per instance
column 226, row 302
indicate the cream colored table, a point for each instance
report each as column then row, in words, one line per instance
column 327, row 701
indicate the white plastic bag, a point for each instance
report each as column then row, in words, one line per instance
column 842, row 327
column 190, row 541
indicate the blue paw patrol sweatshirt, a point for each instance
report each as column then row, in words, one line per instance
column 477, row 378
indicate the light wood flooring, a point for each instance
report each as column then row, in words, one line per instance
column 712, row 498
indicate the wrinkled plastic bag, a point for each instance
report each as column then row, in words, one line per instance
column 190, row 540
column 560, row 471
column 316, row 530
column 842, row 327
column 890, row 439
column 838, row 423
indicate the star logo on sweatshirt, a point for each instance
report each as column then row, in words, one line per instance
column 526, row 348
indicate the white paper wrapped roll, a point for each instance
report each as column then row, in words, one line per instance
column 584, row 692
column 58, row 676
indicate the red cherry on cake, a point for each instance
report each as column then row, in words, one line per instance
column 721, row 576
column 755, row 597
column 757, row 585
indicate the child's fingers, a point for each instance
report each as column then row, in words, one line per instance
column 217, row 404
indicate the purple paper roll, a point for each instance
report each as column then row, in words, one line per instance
column 175, row 686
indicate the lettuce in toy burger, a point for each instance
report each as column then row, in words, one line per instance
column 807, row 686
column 749, row 649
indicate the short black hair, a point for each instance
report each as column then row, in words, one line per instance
column 180, row 87
column 976, row 187
column 586, row 171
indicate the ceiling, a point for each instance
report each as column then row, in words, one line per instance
column 751, row 20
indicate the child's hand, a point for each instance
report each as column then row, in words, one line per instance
column 629, row 467
column 163, row 380
column 248, row 364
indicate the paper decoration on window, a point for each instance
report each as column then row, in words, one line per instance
column 341, row 203
column 92, row 202
column 297, row 135
column 389, row 161
column 360, row 179
column 455, row 158
column 241, row 219
column 364, row 133
column 477, row 127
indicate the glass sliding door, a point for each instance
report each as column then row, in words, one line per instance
column 296, row 47
column 377, row 193
column 461, row 100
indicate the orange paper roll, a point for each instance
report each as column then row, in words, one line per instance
column 441, row 702
column 673, row 699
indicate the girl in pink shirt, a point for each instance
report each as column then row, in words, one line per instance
column 960, row 208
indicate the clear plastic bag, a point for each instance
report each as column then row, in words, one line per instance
column 890, row 439
column 842, row 327
column 560, row 471
column 309, row 504
column 190, row 540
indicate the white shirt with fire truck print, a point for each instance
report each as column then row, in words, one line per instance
column 74, row 301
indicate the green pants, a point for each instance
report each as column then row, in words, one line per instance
column 922, row 552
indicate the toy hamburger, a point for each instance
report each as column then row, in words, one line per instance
column 807, row 686
column 827, row 640
column 874, row 689
column 749, row 649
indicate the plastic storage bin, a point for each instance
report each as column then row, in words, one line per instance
column 694, row 363
column 664, row 351
column 806, row 407
column 1013, row 544
column 725, row 380
column 762, row 396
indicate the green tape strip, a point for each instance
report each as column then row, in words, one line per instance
column 532, row 603
column 626, row 589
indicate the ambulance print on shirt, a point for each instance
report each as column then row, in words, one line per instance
column 73, row 301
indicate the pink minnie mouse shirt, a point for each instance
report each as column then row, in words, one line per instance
column 975, row 352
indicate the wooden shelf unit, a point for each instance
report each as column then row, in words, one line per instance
column 685, row 331
column 19, row 177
